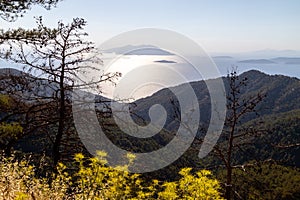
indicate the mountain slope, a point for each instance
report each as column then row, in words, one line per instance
column 282, row 94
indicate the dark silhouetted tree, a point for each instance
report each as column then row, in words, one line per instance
column 10, row 10
column 236, row 136
column 57, row 59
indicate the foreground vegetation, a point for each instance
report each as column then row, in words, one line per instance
column 92, row 179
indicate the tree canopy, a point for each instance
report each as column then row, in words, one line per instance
column 10, row 10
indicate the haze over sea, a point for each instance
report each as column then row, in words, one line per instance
column 268, row 61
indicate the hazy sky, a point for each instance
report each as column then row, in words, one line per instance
column 218, row 25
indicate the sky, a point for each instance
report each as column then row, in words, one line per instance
column 217, row 25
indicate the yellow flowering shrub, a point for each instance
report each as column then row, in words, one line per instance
column 18, row 181
column 91, row 178
column 198, row 186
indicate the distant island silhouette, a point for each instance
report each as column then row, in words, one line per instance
column 165, row 61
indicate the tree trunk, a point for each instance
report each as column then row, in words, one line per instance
column 61, row 122
column 7, row 150
column 228, row 184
